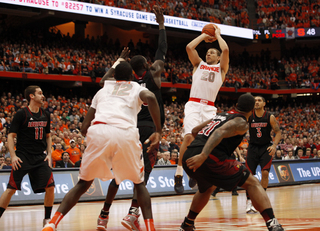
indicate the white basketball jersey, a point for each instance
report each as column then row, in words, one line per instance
column 118, row 103
column 206, row 81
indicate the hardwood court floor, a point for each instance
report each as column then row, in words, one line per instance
column 296, row 207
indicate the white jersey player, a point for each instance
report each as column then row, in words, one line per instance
column 113, row 141
column 207, row 79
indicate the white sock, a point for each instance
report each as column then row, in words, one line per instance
column 179, row 171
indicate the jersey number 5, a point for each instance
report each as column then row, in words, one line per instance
column 208, row 76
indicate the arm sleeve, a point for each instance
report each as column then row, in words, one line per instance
column 162, row 45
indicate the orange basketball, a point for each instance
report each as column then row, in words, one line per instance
column 209, row 29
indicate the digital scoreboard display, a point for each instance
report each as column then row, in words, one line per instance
column 265, row 34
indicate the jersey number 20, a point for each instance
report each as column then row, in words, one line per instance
column 208, row 76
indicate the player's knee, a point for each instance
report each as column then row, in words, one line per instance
column 265, row 174
column 50, row 189
column 250, row 182
column 188, row 138
column 114, row 184
column 11, row 191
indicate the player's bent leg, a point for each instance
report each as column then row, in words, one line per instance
column 199, row 201
column 261, row 202
column 68, row 202
column 5, row 199
column 178, row 187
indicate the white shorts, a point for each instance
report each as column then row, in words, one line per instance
column 195, row 114
column 116, row 148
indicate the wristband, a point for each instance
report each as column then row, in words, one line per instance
column 117, row 62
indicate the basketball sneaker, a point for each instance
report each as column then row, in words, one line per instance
column 185, row 227
column 248, row 206
column 235, row 193
column 178, row 187
column 192, row 182
column 131, row 222
column 45, row 221
column 49, row 227
column 273, row 225
column 102, row 223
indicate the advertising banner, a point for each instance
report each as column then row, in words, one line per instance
column 127, row 15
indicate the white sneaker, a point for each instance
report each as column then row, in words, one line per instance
column 49, row 227
column 253, row 209
column 248, row 206
column 131, row 222
column 45, row 221
column 102, row 223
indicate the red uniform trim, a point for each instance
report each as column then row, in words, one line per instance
column 98, row 122
column 202, row 101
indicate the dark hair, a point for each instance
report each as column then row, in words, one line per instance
column 263, row 99
column 30, row 90
column 65, row 153
column 137, row 62
column 218, row 52
column 123, row 71
column 246, row 103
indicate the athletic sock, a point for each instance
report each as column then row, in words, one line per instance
column 134, row 203
column 47, row 212
column 179, row 171
column 267, row 214
column 188, row 222
column 106, row 207
column 2, row 211
column 56, row 218
column 134, row 210
column 149, row 224
column 104, row 214
column 192, row 215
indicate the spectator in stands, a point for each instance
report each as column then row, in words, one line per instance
column 65, row 162
column 278, row 155
column 165, row 160
column 57, row 154
column 290, row 155
column 74, row 152
column 164, row 145
column 2, row 162
column 174, row 156
column 318, row 155
column 173, row 145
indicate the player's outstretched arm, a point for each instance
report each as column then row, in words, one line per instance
column 158, row 66
column 224, row 57
column 191, row 49
column 236, row 126
column 148, row 97
column 109, row 75
column 87, row 121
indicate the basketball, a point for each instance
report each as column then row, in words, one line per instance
column 209, row 29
